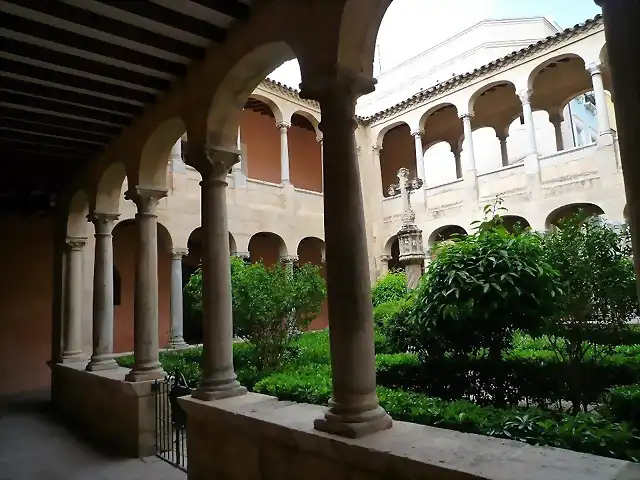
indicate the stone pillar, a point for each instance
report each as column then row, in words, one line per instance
column 245, row 256
column 530, row 128
column 469, row 154
column 218, row 376
column 623, row 37
column 353, row 409
column 102, row 356
column 284, row 152
column 72, row 337
column 319, row 140
column 556, row 120
column 604, row 125
column 504, row 152
column 146, row 364
column 456, row 156
column 289, row 261
column 384, row 264
column 176, row 339
column 417, row 136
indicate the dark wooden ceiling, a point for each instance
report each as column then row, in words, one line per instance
column 75, row 73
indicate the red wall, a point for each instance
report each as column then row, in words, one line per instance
column 305, row 164
column 26, row 260
column 124, row 248
column 265, row 247
column 398, row 150
column 261, row 140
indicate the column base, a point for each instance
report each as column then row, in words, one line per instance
column 371, row 421
column 97, row 364
column 177, row 343
column 144, row 375
column 73, row 357
column 218, row 392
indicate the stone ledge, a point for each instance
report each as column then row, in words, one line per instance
column 407, row 451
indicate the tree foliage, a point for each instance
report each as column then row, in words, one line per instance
column 391, row 287
column 271, row 305
column 598, row 282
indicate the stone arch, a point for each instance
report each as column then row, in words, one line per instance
column 489, row 90
column 383, row 131
column 77, row 217
column 194, row 248
column 398, row 151
column 444, row 233
column 165, row 242
column 538, row 68
column 154, row 157
column 311, row 250
column 313, row 121
column 422, row 123
column 233, row 247
column 305, row 158
column 565, row 211
column 392, row 252
column 109, row 188
column 227, row 103
column 273, row 106
column 267, row 247
column 440, row 163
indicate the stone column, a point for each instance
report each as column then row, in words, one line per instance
column 384, row 264
column 284, row 152
column 319, row 140
column 218, row 377
column 504, row 152
column 245, row 256
column 353, row 409
column 417, row 136
column 623, row 38
column 72, row 337
column 177, row 322
column 556, row 120
column 146, row 364
column 102, row 356
column 289, row 261
column 604, row 126
column 456, row 156
column 530, row 128
column 469, row 154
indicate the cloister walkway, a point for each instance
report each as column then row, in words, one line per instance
column 34, row 446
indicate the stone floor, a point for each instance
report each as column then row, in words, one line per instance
column 34, row 446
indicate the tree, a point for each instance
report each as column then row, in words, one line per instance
column 393, row 286
column 598, row 286
column 271, row 305
column 479, row 290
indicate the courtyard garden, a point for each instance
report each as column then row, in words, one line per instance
column 511, row 334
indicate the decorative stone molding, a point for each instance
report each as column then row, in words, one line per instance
column 289, row 258
column 594, row 68
column 103, row 222
column 146, row 200
column 76, row 243
column 178, row 253
column 417, row 133
column 290, row 92
column 463, row 115
column 283, row 126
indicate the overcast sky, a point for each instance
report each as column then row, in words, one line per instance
column 411, row 26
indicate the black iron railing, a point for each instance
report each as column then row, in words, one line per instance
column 171, row 420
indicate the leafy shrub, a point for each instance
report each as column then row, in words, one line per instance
column 623, row 404
column 584, row 432
column 393, row 286
column 598, row 284
column 271, row 306
column 392, row 320
column 478, row 291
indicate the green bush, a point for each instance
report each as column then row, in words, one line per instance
column 391, row 319
column 598, row 294
column 393, row 286
column 584, row 432
column 623, row 404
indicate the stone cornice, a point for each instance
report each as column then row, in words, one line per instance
column 287, row 91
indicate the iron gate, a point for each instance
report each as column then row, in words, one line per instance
column 171, row 420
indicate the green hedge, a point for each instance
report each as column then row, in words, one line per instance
column 623, row 404
column 539, row 381
column 588, row 433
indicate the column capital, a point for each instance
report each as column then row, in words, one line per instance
column 178, row 253
column 283, row 126
column 319, row 139
column 76, row 243
column 385, row 257
column 556, row 116
column 417, row 133
column 595, row 68
column 146, row 199
column 463, row 115
column 103, row 222
column 336, row 84
column 210, row 160
column 289, row 258
column 525, row 95
column 376, row 149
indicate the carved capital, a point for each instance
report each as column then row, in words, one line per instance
column 213, row 162
column 319, row 139
column 178, row 253
column 525, row 96
column 385, row 257
column 595, row 68
column 403, row 174
column 417, row 133
column 283, row 126
column 289, row 258
column 103, row 222
column 463, row 115
column 376, row 149
column 246, row 256
column 146, row 199
column 76, row 243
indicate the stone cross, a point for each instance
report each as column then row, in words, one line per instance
column 404, row 187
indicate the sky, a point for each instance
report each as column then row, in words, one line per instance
column 411, row 26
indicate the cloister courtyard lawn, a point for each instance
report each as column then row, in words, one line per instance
column 406, row 388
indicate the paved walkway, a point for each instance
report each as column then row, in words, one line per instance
column 34, row 446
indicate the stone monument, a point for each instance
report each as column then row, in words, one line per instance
column 409, row 236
